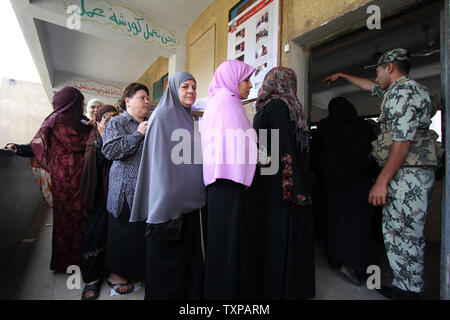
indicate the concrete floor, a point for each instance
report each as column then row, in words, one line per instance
column 28, row 277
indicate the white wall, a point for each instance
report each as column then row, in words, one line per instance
column 23, row 107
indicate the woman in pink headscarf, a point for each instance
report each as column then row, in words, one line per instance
column 59, row 148
column 229, row 146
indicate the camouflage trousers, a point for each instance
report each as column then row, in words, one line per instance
column 404, row 216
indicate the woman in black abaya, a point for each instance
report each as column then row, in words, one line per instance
column 342, row 153
column 284, row 198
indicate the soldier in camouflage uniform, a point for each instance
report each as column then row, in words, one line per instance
column 405, row 183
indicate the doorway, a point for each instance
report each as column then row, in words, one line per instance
column 321, row 53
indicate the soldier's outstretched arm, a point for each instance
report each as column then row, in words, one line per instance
column 362, row 83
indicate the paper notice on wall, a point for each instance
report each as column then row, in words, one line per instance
column 253, row 39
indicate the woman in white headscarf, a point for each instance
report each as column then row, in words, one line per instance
column 91, row 109
column 170, row 194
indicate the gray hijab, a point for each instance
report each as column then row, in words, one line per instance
column 164, row 190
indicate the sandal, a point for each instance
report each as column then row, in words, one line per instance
column 118, row 287
column 95, row 288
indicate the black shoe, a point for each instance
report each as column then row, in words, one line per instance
column 386, row 291
column 93, row 288
column 398, row 294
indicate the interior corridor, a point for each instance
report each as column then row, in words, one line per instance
column 27, row 275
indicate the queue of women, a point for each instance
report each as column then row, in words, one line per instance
column 125, row 211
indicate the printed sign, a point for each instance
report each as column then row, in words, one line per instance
column 253, row 37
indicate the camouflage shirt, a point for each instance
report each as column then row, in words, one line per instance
column 406, row 116
column 408, row 108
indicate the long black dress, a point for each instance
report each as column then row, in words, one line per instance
column 231, row 260
column 94, row 202
column 175, row 259
column 341, row 153
column 285, row 216
column 126, row 253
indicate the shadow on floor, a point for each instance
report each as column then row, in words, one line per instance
column 27, row 276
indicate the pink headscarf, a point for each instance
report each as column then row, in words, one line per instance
column 225, row 116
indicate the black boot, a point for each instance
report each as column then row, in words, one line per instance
column 386, row 291
column 398, row 294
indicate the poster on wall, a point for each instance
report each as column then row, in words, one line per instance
column 253, row 27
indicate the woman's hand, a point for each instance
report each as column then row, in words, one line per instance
column 12, row 147
column 101, row 126
column 142, row 127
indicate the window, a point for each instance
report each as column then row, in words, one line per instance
column 436, row 123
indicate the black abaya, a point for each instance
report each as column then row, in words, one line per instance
column 286, row 228
column 126, row 245
column 175, row 267
column 342, row 148
column 94, row 202
column 349, row 225
column 231, row 265
column 95, row 241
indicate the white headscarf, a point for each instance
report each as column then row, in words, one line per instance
column 90, row 103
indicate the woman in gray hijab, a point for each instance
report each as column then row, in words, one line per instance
column 169, row 195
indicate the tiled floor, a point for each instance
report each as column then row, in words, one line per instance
column 27, row 276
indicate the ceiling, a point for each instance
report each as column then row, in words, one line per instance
column 95, row 57
column 94, row 52
column 118, row 61
column 351, row 52
column 182, row 11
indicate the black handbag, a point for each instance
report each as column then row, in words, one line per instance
column 170, row 230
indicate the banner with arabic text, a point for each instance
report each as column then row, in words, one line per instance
column 95, row 88
column 122, row 18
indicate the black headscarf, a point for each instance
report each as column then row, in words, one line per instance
column 344, row 140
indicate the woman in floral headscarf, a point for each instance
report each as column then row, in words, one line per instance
column 284, row 198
